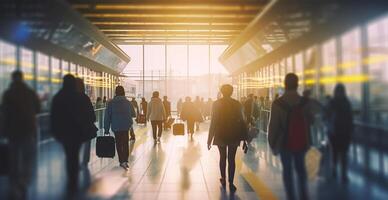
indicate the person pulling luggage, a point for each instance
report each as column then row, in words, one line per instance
column 118, row 117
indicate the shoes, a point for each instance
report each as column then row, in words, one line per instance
column 132, row 139
column 232, row 188
column 124, row 165
column 223, row 183
column 158, row 140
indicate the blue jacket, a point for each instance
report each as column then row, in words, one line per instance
column 118, row 114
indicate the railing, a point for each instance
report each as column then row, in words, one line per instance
column 43, row 120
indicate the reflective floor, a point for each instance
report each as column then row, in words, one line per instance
column 180, row 168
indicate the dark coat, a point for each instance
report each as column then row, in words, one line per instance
column 190, row 112
column 20, row 106
column 340, row 122
column 71, row 112
column 227, row 125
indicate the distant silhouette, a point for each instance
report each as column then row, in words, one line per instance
column 340, row 129
column 167, row 108
column 289, row 135
column 251, row 110
column 190, row 114
column 118, row 117
column 227, row 130
column 198, row 105
column 99, row 115
column 104, row 100
column 157, row 115
column 179, row 106
column 72, row 120
column 20, row 105
column 208, row 108
column 143, row 107
column 135, row 105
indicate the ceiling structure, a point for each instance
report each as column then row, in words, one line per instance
column 170, row 21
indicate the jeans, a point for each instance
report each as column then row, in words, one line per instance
column 230, row 153
column 156, row 127
column 86, row 153
column 122, row 145
column 290, row 161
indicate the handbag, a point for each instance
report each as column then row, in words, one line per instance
column 88, row 132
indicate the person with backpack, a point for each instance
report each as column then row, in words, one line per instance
column 227, row 130
column 340, row 129
column 118, row 117
column 289, row 135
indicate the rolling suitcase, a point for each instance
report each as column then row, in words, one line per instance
column 105, row 146
column 178, row 128
column 141, row 119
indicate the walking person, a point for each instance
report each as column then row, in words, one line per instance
column 340, row 130
column 118, row 118
column 179, row 106
column 289, row 135
column 190, row 114
column 251, row 110
column 86, row 145
column 20, row 106
column 227, row 130
column 157, row 115
column 135, row 109
column 167, row 108
column 143, row 108
column 72, row 120
column 198, row 105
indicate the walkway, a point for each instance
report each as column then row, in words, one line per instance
column 179, row 168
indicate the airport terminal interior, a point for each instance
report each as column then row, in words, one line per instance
column 198, row 51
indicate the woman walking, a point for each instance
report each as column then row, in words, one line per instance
column 157, row 115
column 227, row 130
column 118, row 117
column 340, row 129
column 190, row 114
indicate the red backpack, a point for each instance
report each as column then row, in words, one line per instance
column 297, row 129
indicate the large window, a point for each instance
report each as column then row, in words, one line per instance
column 27, row 65
column 328, row 70
column 299, row 70
column 351, row 67
column 56, row 77
column 7, row 65
column 378, row 71
column 43, row 82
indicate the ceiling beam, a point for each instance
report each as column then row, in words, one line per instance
column 182, row 13
column 170, row 20
column 170, row 27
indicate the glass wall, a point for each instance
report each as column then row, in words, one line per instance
column 43, row 82
column 299, row 65
column 7, row 65
column 328, row 69
column 56, row 76
column 378, row 71
column 27, row 65
column 351, row 67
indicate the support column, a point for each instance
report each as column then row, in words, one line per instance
column 143, row 80
column 188, row 71
column 165, row 69
column 209, row 77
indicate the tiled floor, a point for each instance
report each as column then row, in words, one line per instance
column 180, row 168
